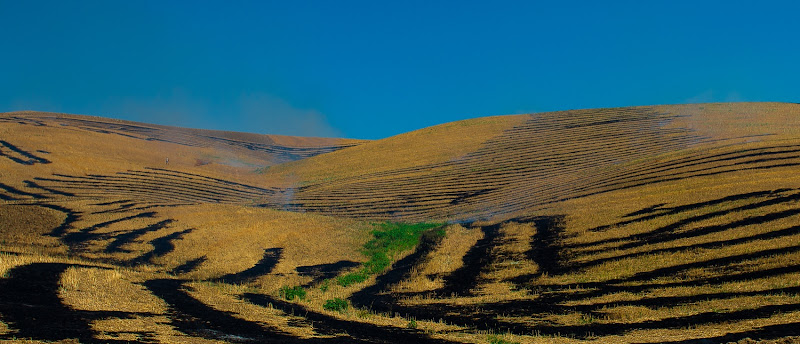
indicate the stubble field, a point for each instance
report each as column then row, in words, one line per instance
column 676, row 224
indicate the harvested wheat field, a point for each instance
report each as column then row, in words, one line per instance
column 654, row 224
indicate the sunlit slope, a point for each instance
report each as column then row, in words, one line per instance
column 126, row 192
column 231, row 148
column 119, row 157
column 501, row 167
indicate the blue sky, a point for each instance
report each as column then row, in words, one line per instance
column 373, row 69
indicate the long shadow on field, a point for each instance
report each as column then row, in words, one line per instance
column 703, row 163
column 123, row 201
column 717, row 262
column 71, row 217
column 130, row 206
column 127, row 237
column 683, row 248
column 659, row 210
column 158, row 185
column 264, row 266
column 712, row 317
column 77, row 240
column 10, row 190
column 23, row 121
column 545, row 248
column 553, row 303
column 161, row 246
column 192, row 317
column 30, row 305
column 460, row 282
column 662, row 233
column 228, row 183
column 768, row 332
column 545, row 244
column 660, row 236
column 30, row 300
column 321, row 272
column 463, row 197
column 5, row 197
column 660, row 301
column 376, row 296
column 556, row 299
column 648, row 282
column 561, row 293
column 552, row 299
column 357, row 331
column 464, row 279
column 19, row 155
column 605, row 187
column 123, row 219
column 123, row 205
column 664, row 168
column 34, row 185
column 483, row 316
column 189, row 266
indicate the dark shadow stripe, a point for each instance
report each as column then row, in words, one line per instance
column 356, row 332
column 707, row 245
column 12, row 190
column 378, row 296
column 263, row 267
column 161, row 246
column 71, row 217
column 464, row 279
column 32, row 309
column 321, row 272
column 33, row 185
column 189, row 266
column 127, row 237
column 31, row 158
column 192, row 317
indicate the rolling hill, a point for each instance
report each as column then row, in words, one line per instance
column 650, row 224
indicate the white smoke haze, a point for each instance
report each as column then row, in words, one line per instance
column 734, row 97
column 710, row 96
column 705, row 97
column 178, row 108
column 267, row 114
column 260, row 113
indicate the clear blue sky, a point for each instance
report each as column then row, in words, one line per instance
column 372, row 69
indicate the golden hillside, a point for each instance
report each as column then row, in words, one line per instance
column 501, row 167
column 655, row 224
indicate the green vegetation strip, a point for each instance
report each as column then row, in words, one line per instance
column 336, row 304
column 291, row 293
column 493, row 339
column 389, row 239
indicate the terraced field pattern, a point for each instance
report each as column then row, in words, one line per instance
column 652, row 224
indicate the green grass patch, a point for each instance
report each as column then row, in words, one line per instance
column 388, row 240
column 325, row 285
column 412, row 324
column 291, row 293
column 352, row 278
column 493, row 339
column 336, row 304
